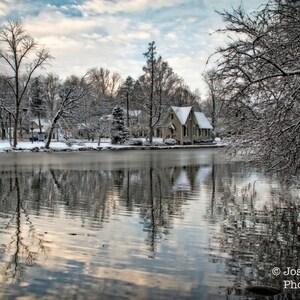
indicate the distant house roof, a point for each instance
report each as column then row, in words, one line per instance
column 134, row 113
column 44, row 122
column 182, row 113
column 202, row 121
column 107, row 118
column 45, row 125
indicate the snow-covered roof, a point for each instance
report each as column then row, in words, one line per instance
column 202, row 121
column 107, row 118
column 172, row 126
column 182, row 113
column 134, row 113
column 45, row 124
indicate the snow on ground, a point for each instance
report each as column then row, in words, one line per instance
column 77, row 145
column 55, row 145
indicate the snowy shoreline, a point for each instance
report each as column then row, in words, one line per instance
column 89, row 146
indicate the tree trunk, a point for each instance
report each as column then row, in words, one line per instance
column 55, row 119
column 15, row 143
column 9, row 130
column 40, row 124
column 3, row 132
column 127, row 103
column 47, row 145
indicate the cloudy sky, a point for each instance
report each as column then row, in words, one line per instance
column 114, row 34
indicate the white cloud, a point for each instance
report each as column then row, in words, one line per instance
column 91, row 7
column 6, row 6
column 55, row 23
column 78, row 44
column 115, row 34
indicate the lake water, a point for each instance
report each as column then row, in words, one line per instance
column 163, row 224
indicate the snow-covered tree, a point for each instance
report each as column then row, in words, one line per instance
column 119, row 132
column 212, row 105
column 21, row 56
column 5, row 117
column 260, row 71
column 37, row 100
column 71, row 95
column 125, row 94
column 157, row 88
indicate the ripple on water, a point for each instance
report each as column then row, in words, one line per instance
column 150, row 225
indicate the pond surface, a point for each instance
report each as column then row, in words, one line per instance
column 163, row 224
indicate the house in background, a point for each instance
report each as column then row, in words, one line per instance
column 203, row 130
column 39, row 129
column 187, row 126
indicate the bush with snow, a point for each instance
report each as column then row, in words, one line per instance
column 170, row 141
column 135, row 142
column 70, row 143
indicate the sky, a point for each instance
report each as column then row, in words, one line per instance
column 114, row 34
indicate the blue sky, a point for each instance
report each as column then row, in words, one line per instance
column 114, row 34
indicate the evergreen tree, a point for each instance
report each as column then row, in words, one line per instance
column 118, row 133
column 149, row 70
column 126, row 95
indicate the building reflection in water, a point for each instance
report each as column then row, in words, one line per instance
column 103, row 223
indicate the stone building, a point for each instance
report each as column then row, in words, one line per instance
column 187, row 126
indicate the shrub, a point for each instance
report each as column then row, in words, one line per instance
column 170, row 141
column 135, row 142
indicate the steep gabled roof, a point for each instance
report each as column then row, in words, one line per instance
column 202, row 121
column 182, row 113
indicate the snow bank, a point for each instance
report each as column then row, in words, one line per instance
column 27, row 146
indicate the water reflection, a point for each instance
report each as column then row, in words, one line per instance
column 147, row 225
column 25, row 246
column 258, row 228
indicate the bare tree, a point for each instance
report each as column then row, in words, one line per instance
column 104, row 86
column 4, row 103
column 185, row 97
column 71, row 95
column 157, row 87
column 213, row 104
column 21, row 56
column 260, row 69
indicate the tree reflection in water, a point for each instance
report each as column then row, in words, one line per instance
column 158, row 194
column 26, row 245
column 249, row 231
column 254, row 235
